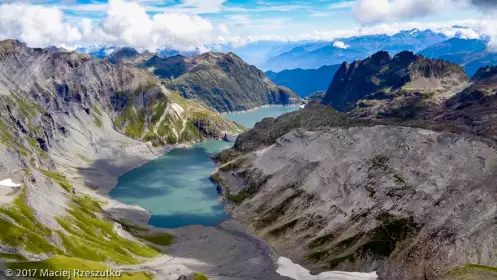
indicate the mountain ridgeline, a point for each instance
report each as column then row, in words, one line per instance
column 382, row 85
column 223, row 82
column 471, row 54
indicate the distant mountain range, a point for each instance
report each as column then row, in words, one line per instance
column 277, row 56
column 471, row 54
column 305, row 81
column 101, row 52
column 258, row 52
column 316, row 54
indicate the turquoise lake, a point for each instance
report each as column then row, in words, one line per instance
column 249, row 119
column 176, row 187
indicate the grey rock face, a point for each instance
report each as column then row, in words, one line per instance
column 409, row 203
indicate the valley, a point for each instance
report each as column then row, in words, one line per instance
column 64, row 143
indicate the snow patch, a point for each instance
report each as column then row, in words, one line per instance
column 287, row 268
column 8, row 183
column 178, row 109
column 341, row 45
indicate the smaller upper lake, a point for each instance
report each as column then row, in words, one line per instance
column 176, row 187
column 250, row 118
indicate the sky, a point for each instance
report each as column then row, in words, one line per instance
column 195, row 24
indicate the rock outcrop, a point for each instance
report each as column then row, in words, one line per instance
column 382, row 86
column 473, row 109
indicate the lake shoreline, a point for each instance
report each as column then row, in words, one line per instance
column 225, row 233
column 164, row 151
column 257, row 108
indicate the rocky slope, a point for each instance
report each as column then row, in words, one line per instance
column 408, row 198
column 133, row 99
column 316, row 96
column 223, row 82
column 473, row 109
column 69, row 126
column 385, row 86
column 386, row 205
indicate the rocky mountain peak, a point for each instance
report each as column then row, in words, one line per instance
column 380, row 58
column 221, row 81
column 405, row 56
column 380, row 79
column 130, row 55
column 8, row 47
column 55, row 49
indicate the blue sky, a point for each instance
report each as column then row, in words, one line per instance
column 189, row 23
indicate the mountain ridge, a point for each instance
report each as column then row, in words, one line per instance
column 226, row 83
column 380, row 84
column 221, row 81
column 471, row 54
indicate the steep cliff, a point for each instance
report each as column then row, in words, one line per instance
column 223, row 82
column 382, row 86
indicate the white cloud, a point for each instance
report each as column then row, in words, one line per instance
column 38, row 25
column 471, row 29
column 373, row 11
column 125, row 24
column 341, row 45
column 224, row 29
column 376, row 11
column 468, row 29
